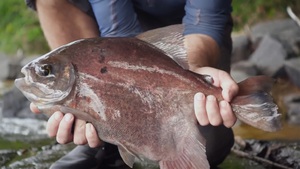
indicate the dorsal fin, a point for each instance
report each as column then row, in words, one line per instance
column 170, row 40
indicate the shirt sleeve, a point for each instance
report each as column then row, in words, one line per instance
column 116, row 18
column 207, row 17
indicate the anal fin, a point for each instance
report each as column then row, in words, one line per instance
column 127, row 157
column 191, row 153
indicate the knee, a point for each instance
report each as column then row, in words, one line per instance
column 219, row 141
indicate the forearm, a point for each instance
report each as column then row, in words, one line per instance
column 202, row 50
column 62, row 22
column 205, row 25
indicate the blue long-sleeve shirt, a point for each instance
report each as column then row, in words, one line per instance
column 118, row 17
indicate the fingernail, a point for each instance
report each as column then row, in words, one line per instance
column 199, row 96
column 68, row 117
column 56, row 116
column 211, row 98
column 90, row 126
column 223, row 104
column 226, row 95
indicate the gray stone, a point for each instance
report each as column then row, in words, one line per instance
column 10, row 66
column 242, row 70
column 4, row 67
column 15, row 104
column 23, row 129
column 269, row 56
column 6, row 156
column 14, row 70
column 292, row 68
column 241, row 48
column 42, row 159
column 285, row 30
column 297, row 45
column 292, row 103
column 289, row 39
column 1, row 109
column 271, row 27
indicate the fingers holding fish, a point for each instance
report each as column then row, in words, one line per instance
column 213, row 111
column 228, row 116
column 228, row 85
column 221, row 79
column 53, row 123
column 79, row 132
column 65, row 126
column 61, row 126
column 92, row 136
column 200, row 109
column 207, row 110
column 213, row 72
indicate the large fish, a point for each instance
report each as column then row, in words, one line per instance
column 138, row 98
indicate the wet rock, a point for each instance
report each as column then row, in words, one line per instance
column 287, row 156
column 242, row 70
column 292, row 104
column 6, row 156
column 241, row 48
column 4, row 70
column 15, row 104
column 292, row 68
column 10, row 66
column 285, row 30
column 22, row 129
column 269, row 56
column 42, row 159
column 14, row 69
column 271, row 27
column 271, row 154
column 13, row 101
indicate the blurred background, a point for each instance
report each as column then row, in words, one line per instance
column 266, row 40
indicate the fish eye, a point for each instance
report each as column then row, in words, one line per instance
column 45, row 70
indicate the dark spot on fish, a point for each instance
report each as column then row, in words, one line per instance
column 101, row 57
column 103, row 70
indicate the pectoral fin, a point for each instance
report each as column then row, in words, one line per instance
column 127, row 157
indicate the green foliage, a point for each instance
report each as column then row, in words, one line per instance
column 253, row 11
column 19, row 28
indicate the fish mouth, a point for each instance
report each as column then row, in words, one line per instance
column 24, row 84
column 29, row 90
column 20, row 82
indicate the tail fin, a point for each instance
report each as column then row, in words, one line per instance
column 254, row 105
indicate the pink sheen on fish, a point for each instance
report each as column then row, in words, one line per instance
column 138, row 98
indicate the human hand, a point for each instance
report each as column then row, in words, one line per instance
column 60, row 125
column 207, row 109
